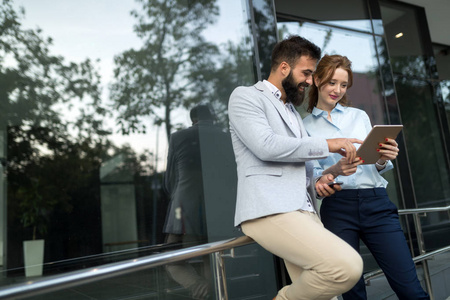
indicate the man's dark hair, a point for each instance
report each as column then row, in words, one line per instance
column 291, row 49
column 202, row 112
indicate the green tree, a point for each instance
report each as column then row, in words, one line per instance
column 172, row 67
column 37, row 91
column 411, row 87
column 35, row 84
column 39, row 184
column 266, row 32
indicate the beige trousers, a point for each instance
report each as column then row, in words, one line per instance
column 320, row 264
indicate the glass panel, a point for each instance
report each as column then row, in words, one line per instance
column 156, row 283
column 378, row 26
column 359, row 48
column 442, row 54
column 445, row 88
column 436, row 228
column 3, row 214
column 266, row 33
column 91, row 95
column 352, row 15
column 405, row 45
column 190, row 279
column 425, row 148
column 414, row 76
column 384, row 73
column 418, row 95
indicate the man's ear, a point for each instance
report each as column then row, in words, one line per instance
column 284, row 68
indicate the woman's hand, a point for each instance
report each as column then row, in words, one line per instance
column 325, row 190
column 388, row 150
column 343, row 167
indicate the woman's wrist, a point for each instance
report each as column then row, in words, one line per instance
column 381, row 164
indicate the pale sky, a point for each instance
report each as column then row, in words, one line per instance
column 101, row 29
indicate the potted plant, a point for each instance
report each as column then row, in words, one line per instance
column 34, row 211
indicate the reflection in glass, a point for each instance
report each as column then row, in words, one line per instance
column 266, row 34
column 183, row 177
column 415, row 75
column 360, row 49
column 159, row 76
column 442, row 54
column 378, row 28
column 406, row 48
column 51, row 161
column 147, row 284
column 445, row 88
column 353, row 15
column 185, row 223
column 443, row 66
column 88, row 104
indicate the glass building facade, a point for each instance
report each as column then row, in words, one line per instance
column 114, row 138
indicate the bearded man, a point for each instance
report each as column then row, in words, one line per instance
column 276, row 192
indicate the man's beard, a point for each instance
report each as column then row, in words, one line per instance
column 291, row 89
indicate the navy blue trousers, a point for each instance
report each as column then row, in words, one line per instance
column 369, row 215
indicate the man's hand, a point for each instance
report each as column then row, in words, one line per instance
column 322, row 187
column 344, row 147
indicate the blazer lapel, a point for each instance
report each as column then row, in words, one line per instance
column 260, row 86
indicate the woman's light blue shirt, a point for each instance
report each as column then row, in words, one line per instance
column 347, row 122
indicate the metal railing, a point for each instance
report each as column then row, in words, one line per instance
column 71, row 279
column 76, row 278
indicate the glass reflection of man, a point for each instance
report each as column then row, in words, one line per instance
column 185, row 220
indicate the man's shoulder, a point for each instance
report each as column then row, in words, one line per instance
column 245, row 89
column 183, row 132
column 245, row 93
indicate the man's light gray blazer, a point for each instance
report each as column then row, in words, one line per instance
column 272, row 157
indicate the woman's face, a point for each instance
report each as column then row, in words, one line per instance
column 333, row 91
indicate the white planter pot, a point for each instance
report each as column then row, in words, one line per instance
column 33, row 253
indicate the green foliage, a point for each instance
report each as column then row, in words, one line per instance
column 45, row 185
column 172, row 67
column 266, row 30
column 48, row 157
column 176, row 67
column 34, row 82
column 34, row 208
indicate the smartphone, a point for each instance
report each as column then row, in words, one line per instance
column 335, row 182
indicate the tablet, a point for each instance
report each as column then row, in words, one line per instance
column 368, row 150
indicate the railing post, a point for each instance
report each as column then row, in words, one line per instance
column 421, row 243
column 219, row 275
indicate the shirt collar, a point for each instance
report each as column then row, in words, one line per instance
column 317, row 111
column 273, row 89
